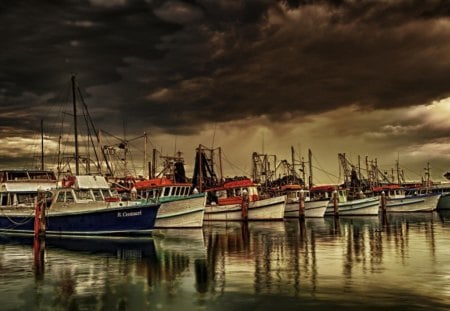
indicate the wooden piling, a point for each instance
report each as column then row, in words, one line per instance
column 383, row 202
column 244, row 207
column 39, row 215
column 335, row 204
column 301, row 207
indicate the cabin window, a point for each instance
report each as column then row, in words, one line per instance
column 4, row 200
column 97, row 194
column 60, row 197
column 69, row 197
column 166, row 191
column 149, row 194
column 292, row 195
column 25, row 198
column 83, row 194
column 106, row 193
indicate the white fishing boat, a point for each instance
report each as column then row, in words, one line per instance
column 239, row 200
column 400, row 199
column 180, row 207
column 363, row 206
column 312, row 207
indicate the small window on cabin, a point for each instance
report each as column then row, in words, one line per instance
column 149, row 194
column 69, row 197
column 166, row 191
column 60, row 197
column 25, row 198
column 83, row 194
column 97, row 194
column 106, row 193
column 4, row 199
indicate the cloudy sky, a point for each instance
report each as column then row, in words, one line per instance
column 367, row 78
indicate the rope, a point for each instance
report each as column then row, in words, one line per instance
column 233, row 165
column 30, row 217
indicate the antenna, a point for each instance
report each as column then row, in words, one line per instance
column 263, row 142
column 214, row 136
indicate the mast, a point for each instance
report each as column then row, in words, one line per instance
column 220, row 164
column 42, row 144
column 293, row 162
column 74, row 100
column 145, row 170
column 310, row 181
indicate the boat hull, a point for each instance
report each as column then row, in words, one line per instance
column 128, row 220
column 265, row 209
column 312, row 209
column 426, row 203
column 444, row 202
column 186, row 212
column 359, row 207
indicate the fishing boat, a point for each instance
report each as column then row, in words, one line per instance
column 401, row 199
column 180, row 206
column 312, row 207
column 83, row 205
column 239, row 200
column 346, row 205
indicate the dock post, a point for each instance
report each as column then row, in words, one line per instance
column 301, row 208
column 39, row 215
column 335, row 204
column 244, row 207
column 383, row 202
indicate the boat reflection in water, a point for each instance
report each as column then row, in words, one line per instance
column 394, row 262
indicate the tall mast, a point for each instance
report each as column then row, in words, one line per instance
column 75, row 126
column 293, row 162
column 310, row 168
column 145, row 170
column 42, row 144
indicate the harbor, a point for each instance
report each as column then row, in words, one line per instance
column 350, row 263
column 224, row 155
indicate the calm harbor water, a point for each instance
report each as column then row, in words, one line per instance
column 401, row 262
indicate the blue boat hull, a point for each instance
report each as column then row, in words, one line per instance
column 106, row 221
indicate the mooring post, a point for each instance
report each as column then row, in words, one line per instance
column 335, row 204
column 301, row 207
column 244, row 206
column 383, row 202
column 39, row 215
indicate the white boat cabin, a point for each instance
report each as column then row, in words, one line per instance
column 326, row 192
column 162, row 188
column 166, row 192
column 293, row 193
column 83, row 189
column 20, row 187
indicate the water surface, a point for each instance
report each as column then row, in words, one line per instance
column 401, row 262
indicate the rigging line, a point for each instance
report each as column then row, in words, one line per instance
column 324, row 171
column 233, row 165
column 414, row 172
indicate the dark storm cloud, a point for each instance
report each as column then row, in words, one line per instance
column 179, row 65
